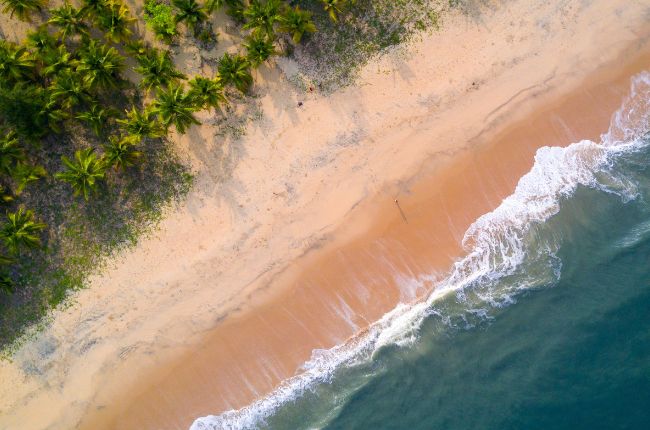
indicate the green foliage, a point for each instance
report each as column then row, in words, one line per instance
column 16, row 63
column 206, row 93
column 56, row 60
column 235, row 70
column 96, row 117
column 69, row 89
column 120, row 152
column 40, row 40
column 11, row 152
column 259, row 48
column 157, row 69
column 22, row 8
column 100, row 65
column 261, row 16
column 25, row 174
column 69, row 20
column 84, row 172
column 160, row 17
column 115, row 20
column 21, row 231
column 28, row 111
column 175, row 107
column 141, row 123
column 296, row 22
column 190, row 12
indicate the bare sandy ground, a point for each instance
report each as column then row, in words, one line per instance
column 300, row 183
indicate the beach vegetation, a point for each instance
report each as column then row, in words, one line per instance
column 259, row 48
column 83, row 172
column 175, row 107
column 160, row 17
column 190, row 12
column 22, row 9
column 235, row 70
column 21, row 231
column 296, row 22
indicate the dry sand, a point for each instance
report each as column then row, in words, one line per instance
column 292, row 241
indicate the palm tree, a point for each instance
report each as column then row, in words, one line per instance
column 24, row 174
column 175, row 107
column 69, row 20
column 157, row 69
column 10, row 153
column 206, row 93
column 6, row 283
column 115, row 20
column 99, row 65
column 333, row 8
column 235, row 70
column 296, row 22
column 259, row 48
column 21, row 231
column 190, row 12
column 40, row 39
column 120, row 152
column 261, row 17
column 16, row 63
column 96, row 117
column 93, row 8
column 69, row 89
column 141, row 123
column 84, row 172
column 56, row 60
column 5, row 197
column 22, row 8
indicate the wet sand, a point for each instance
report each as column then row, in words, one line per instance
column 403, row 241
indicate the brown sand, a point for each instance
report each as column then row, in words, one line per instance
column 340, row 291
column 254, row 255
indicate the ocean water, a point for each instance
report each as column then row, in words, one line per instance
column 545, row 324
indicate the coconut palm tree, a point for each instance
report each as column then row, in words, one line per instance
column 24, row 174
column 235, row 70
column 40, row 40
column 16, row 63
column 116, row 21
column 56, row 60
column 206, row 93
column 10, row 152
column 261, row 17
column 6, row 283
column 69, row 89
column 190, row 12
column 21, row 231
column 84, row 172
column 141, row 123
column 174, row 106
column 333, row 8
column 296, row 22
column 259, row 48
column 96, row 117
column 157, row 69
column 121, row 153
column 99, row 65
column 69, row 20
column 22, row 8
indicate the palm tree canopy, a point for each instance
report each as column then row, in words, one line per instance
column 157, row 69
column 10, row 152
column 69, row 20
column 94, row 8
column 40, row 39
column 116, row 21
column 235, row 70
column 56, row 60
column 24, row 174
column 96, row 117
column 141, row 123
column 99, row 65
column 190, row 12
column 16, row 63
column 259, row 48
column 69, row 89
column 20, row 231
column 206, row 92
column 297, row 22
column 333, row 8
column 84, row 172
column 121, row 153
column 262, row 16
column 175, row 107
column 22, row 8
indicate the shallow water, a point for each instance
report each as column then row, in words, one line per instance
column 545, row 323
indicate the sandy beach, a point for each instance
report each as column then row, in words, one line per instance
column 323, row 217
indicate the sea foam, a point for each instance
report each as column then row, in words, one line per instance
column 496, row 244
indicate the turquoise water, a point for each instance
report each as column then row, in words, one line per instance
column 544, row 325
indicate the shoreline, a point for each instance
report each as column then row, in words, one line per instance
column 252, row 340
column 110, row 379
